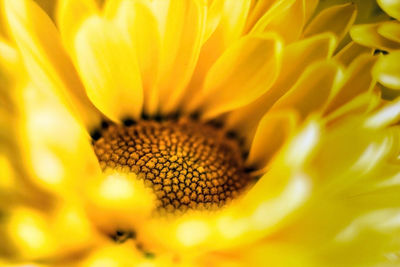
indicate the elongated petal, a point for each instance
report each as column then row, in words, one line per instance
column 133, row 15
column 364, row 103
column 28, row 231
column 55, row 148
column 296, row 58
column 229, row 29
column 185, row 26
column 117, row 200
column 275, row 10
column 367, row 35
column 272, row 132
column 391, row 7
column 387, row 71
column 336, row 19
column 390, row 30
column 109, row 69
column 242, row 74
column 350, row 52
column 48, row 5
column 388, row 115
column 290, row 23
column 357, row 81
column 67, row 24
column 44, row 56
column 310, row 7
column 312, row 90
column 259, row 10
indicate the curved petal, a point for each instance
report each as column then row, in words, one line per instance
column 67, row 24
column 310, row 7
column 275, row 9
column 259, row 9
column 117, row 200
column 312, row 90
column 357, row 81
column 336, row 19
column 272, row 132
column 48, row 6
column 55, row 149
column 296, row 58
column 44, row 56
column 367, row 35
column 108, row 68
column 387, row 70
column 350, row 52
column 391, row 7
column 289, row 24
column 385, row 116
column 242, row 74
column 181, row 44
column 390, row 30
column 133, row 15
column 231, row 23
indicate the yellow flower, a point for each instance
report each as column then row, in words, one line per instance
column 385, row 36
column 194, row 133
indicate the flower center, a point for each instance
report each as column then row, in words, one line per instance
column 189, row 164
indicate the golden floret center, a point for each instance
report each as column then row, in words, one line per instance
column 189, row 164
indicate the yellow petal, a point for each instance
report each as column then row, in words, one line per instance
column 385, row 116
column 43, row 54
column 392, row 7
column 72, row 229
column 242, row 74
column 272, row 132
column 48, row 6
column 351, row 51
column 108, row 67
column 357, row 81
column 361, row 104
column 312, row 90
column 214, row 14
column 115, row 255
column 230, row 27
column 259, row 10
column 68, row 24
column 310, row 7
column 137, row 18
column 55, row 148
column 117, row 201
column 181, row 44
column 390, row 30
column 296, row 58
column 276, row 10
column 387, row 70
column 367, row 35
column 289, row 24
column 28, row 231
column 336, row 19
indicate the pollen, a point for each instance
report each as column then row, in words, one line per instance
column 189, row 164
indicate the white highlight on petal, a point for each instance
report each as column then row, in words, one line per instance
column 47, row 166
column 116, row 186
column 192, row 232
column 272, row 211
column 386, row 115
column 384, row 220
column 303, row 144
column 371, row 156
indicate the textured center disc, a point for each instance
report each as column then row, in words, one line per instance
column 189, row 165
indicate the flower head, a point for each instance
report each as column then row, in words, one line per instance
column 193, row 132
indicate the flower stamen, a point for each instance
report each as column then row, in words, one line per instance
column 189, row 164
